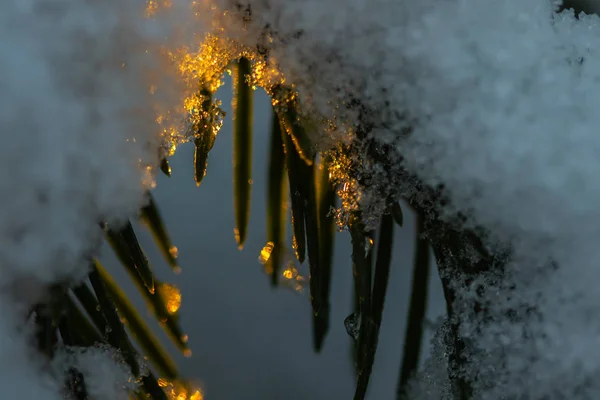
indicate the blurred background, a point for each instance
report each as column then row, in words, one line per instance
column 589, row 6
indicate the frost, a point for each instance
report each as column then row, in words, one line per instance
column 432, row 382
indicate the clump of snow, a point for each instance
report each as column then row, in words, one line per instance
column 80, row 91
column 106, row 376
column 432, row 382
column 24, row 375
column 82, row 82
column 496, row 102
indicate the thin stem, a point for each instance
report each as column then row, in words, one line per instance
column 418, row 307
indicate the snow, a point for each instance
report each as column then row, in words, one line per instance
column 71, row 110
column 79, row 146
column 23, row 374
column 106, row 375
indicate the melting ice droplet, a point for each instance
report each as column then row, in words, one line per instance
column 352, row 324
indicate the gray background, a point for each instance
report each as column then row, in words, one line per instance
column 250, row 341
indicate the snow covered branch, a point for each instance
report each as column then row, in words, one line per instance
column 493, row 105
column 483, row 114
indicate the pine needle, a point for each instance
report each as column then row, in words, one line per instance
column 77, row 327
column 127, row 248
column 294, row 163
column 153, row 221
column 88, row 301
column 78, row 331
column 326, row 201
column 138, row 328
column 204, row 138
column 311, row 218
column 115, row 333
column 382, row 270
column 276, row 201
column 292, row 124
column 418, row 306
column 242, row 149
column 154, row 300
column 397, row 213
column 362, row 271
